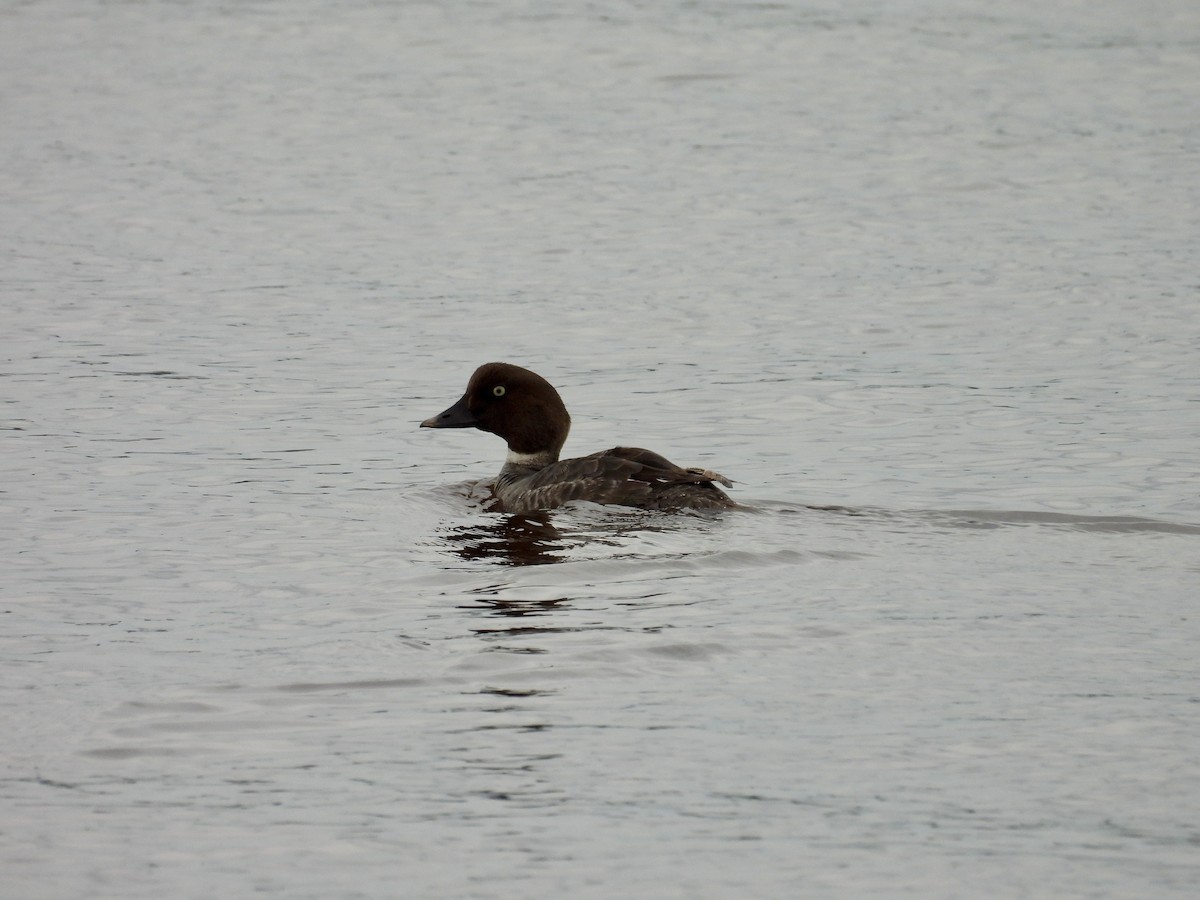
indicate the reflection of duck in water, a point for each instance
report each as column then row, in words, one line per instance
column 524, row 409
column 528, row 540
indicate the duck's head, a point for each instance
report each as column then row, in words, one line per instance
column 518, row 405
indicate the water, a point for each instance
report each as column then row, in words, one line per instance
column 919, row 276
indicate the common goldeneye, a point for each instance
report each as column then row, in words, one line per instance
column 525, row 409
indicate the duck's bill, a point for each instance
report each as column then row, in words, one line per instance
column 457, row 416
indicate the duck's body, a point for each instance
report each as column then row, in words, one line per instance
column 525, row 409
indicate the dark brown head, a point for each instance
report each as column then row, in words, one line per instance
column 518, row 405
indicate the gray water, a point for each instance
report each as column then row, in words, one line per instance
column 920, row 276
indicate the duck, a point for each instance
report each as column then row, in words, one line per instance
column 525, row 410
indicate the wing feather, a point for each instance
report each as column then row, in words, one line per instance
column 628, row 476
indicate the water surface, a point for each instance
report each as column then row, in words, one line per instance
column 919, row 277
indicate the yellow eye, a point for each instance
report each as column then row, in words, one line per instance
column 498, row 391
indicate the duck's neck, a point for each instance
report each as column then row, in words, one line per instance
column 516, row 460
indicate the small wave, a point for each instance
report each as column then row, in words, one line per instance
column 987, row 518
column 971, row 518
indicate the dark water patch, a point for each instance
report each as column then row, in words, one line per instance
column 520, row 727
column 602, row 543
column 520, row 651
column 525, row 631
column 529, row 540
column 518, row 608
column 515, row 693
column 160, row 373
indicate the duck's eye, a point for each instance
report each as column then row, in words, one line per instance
column 498, row 391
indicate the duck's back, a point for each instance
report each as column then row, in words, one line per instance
column 628, row 476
